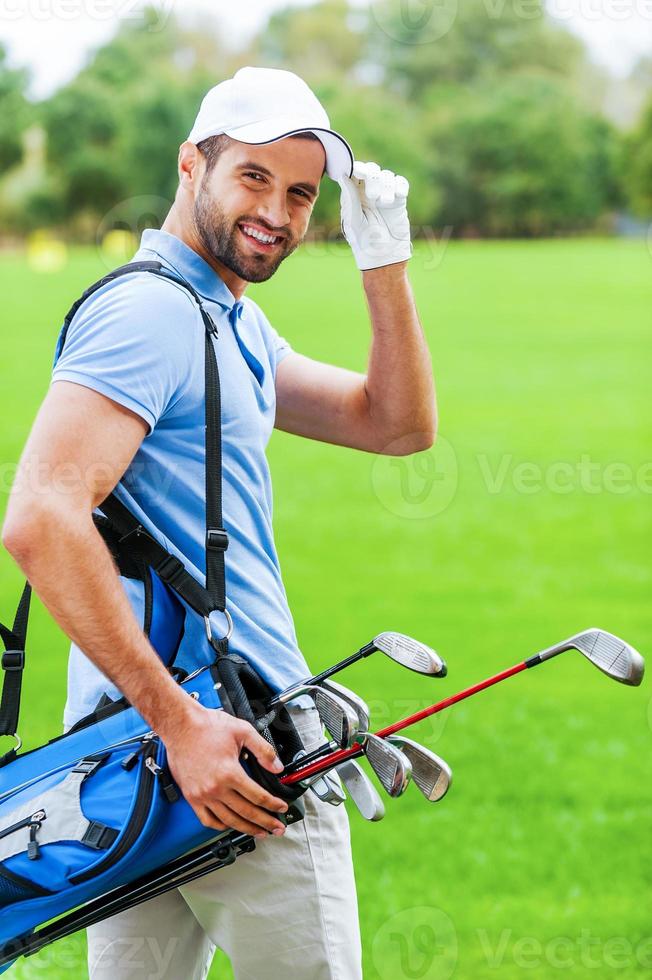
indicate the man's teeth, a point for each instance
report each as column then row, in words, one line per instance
column 259, row 235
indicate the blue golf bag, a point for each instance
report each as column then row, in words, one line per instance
column 92, row 822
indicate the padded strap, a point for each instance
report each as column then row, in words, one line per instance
column 13, row 664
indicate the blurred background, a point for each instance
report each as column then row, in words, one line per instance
column 526, row 134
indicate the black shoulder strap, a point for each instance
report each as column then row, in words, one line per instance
column 13, row 662
column 134, row 538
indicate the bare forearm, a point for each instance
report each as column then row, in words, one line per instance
column 72, row 571
column 400, row 385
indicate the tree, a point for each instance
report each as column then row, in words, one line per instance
column 15, row 115
column 637, row 163
column 521, row 158
column 466, row 42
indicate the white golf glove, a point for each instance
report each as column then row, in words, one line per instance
column 375, row 221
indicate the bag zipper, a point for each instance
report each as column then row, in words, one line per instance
column 34, row 822
column 132, row 831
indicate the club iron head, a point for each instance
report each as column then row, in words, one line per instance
column 431, row 774
column 351, row 698
column 337, row 715
column 361, row 790
column 410, row 653
column 613, row 656
column 392, row 768
column 328, row 790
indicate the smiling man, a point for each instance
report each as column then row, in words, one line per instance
column 126, row 411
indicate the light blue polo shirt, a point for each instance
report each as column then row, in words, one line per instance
column 139, row 340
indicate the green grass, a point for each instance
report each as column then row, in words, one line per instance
column 541, row 855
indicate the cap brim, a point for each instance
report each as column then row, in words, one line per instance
column 339, row 156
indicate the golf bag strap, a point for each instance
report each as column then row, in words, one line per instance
column 137, row 542
column 13, row 664
column 134, row 538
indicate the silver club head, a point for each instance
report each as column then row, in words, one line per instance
column 431, row 774
column 392, row 768
column 328, row 790
column 337, row 715
column 613, row 656
column 351, row 698
column 410, row 653
column 361, row 790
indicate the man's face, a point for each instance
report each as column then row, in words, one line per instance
column 267, row 190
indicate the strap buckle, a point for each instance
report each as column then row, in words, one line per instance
column 13, row 660
column 209, row 631
column 217, row 539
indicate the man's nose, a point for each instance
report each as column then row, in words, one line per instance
column 274, row 209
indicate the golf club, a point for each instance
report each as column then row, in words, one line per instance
column 362, row 791
column 398, row 647
column 430, row 774
column 359, row 706
column 613, row 656
column 328, row 790
column 337, row 715
column 392, row 768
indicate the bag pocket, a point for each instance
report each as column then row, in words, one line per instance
column 72, row 826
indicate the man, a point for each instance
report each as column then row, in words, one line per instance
column 127, row 404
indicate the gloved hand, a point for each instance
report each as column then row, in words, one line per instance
column 375, row 221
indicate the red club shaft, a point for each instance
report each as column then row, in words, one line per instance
column 335, row 758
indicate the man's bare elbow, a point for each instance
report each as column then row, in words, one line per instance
column 409, row 442
column 19, row 535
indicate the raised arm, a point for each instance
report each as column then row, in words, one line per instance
column 391, row 409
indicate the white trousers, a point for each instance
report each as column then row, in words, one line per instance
column 289, row 909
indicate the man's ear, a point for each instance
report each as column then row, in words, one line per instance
column 190, row 166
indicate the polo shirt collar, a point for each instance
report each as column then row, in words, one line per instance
column 191, row 266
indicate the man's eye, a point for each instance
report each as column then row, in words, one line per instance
column 297, row 190
column 257, row 176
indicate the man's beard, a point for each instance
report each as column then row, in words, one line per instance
column 220, row 239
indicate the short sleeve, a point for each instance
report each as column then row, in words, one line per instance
column 277, row 347
column 130, row 341
column 281, row 347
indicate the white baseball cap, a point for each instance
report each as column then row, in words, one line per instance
column 262, row 105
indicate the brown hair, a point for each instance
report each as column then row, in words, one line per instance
column 211, row 147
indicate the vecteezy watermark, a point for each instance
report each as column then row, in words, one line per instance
column 38, row 477
column 119, row 231
column 427, row 21
column 100, row 10
column 145, row 955
column 565, row 952
column 417, row 486
column 416, row 944
column 415, row 21
column 600, row 10
column 564, row 477
column 386, row 712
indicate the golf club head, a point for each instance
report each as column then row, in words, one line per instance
column 351, row 698
column 431, row 774
column 328, row 790
column 613, row 656
column 410, row 653
column 337, row 715
column 361, row 790
column 392, row 768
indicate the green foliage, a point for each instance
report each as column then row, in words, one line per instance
column 637, row 164
column 466, row 41
column 15, row 114
column 114, row 131
column 315, row 41
column 520, row 157
column 479, row 103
